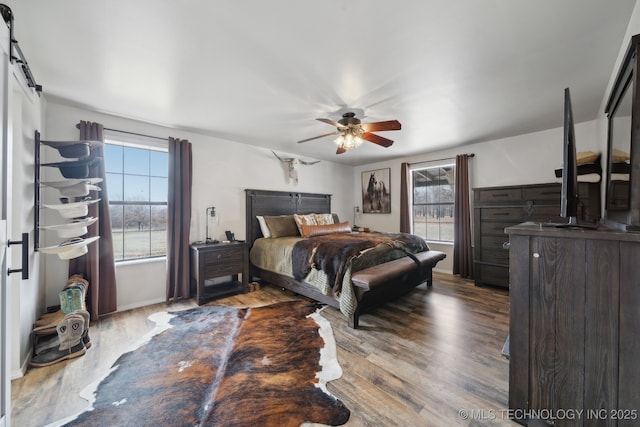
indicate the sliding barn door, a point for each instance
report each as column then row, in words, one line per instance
column 5, row 188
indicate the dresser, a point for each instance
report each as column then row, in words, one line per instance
column 574, row 326
column 496, row 208
column 215, row 269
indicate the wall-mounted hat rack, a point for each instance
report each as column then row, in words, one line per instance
column 75, row 189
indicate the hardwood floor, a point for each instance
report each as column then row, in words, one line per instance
column 430, row 358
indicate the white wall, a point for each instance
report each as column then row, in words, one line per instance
column 523, row 159
column 222, row 170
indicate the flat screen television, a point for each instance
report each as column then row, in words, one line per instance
column 569, row 193
column 569, row 197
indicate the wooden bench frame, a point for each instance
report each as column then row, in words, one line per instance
column 381, row 283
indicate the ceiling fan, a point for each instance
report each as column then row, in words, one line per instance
column 351, row 132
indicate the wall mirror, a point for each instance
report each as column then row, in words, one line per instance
column 619, row 167
column 622, row 203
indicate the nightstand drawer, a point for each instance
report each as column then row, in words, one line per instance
column 227, row 256
column 222, row 268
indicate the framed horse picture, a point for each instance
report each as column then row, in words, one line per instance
column 376, row 191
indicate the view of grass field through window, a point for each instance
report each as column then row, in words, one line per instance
column 137, row 182
column 433, row 198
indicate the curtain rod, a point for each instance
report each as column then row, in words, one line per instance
column 439, row 160
column 131, row 133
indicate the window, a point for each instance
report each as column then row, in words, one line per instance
column 137, row 182
column 433, row 197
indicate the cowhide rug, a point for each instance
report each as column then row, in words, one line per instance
column 224, row 366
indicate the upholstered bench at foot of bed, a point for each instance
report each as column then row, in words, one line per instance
column 378, row 274
column 381, row 283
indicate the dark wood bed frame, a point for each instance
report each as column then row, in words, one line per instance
column 264, row 202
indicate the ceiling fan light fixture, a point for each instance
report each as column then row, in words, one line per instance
column 352, row 132
column 349, row 139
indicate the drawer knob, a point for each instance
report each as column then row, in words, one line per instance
column 219, row 256
column 536, row 255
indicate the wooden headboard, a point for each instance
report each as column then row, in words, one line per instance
column 265, row 202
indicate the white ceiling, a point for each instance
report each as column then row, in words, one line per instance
column 260, row 72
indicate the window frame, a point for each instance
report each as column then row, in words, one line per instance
column 150, row 145
column 412, row 205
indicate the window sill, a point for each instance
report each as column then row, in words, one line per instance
column 128, row 262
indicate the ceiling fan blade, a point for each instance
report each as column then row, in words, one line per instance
column 376, row 139
column 379, row 126
column 320, row 136
column 340, row 150
column 331, row 122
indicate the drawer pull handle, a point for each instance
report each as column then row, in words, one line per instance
column 219, row 256
column 501, row 214
column 500, row 195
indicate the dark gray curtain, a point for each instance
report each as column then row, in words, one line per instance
column 179, row 219
column 405, row 208
column 98, row 265
column 462, row 238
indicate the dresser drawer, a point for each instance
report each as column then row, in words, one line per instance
column 545, row 214
column 496, row 228
column 551, row 192
column 494, row 242
column 495, row 256
column 499, row 195
column 492, row 275
column 511, row 214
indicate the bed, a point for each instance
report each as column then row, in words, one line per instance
column 369, row 280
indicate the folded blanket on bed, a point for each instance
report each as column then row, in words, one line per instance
column 333, row 253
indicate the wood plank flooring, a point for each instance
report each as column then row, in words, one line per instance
column 430, row 358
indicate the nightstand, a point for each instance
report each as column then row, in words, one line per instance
column 210, row 263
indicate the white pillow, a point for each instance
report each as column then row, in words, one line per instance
column 266, row 233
